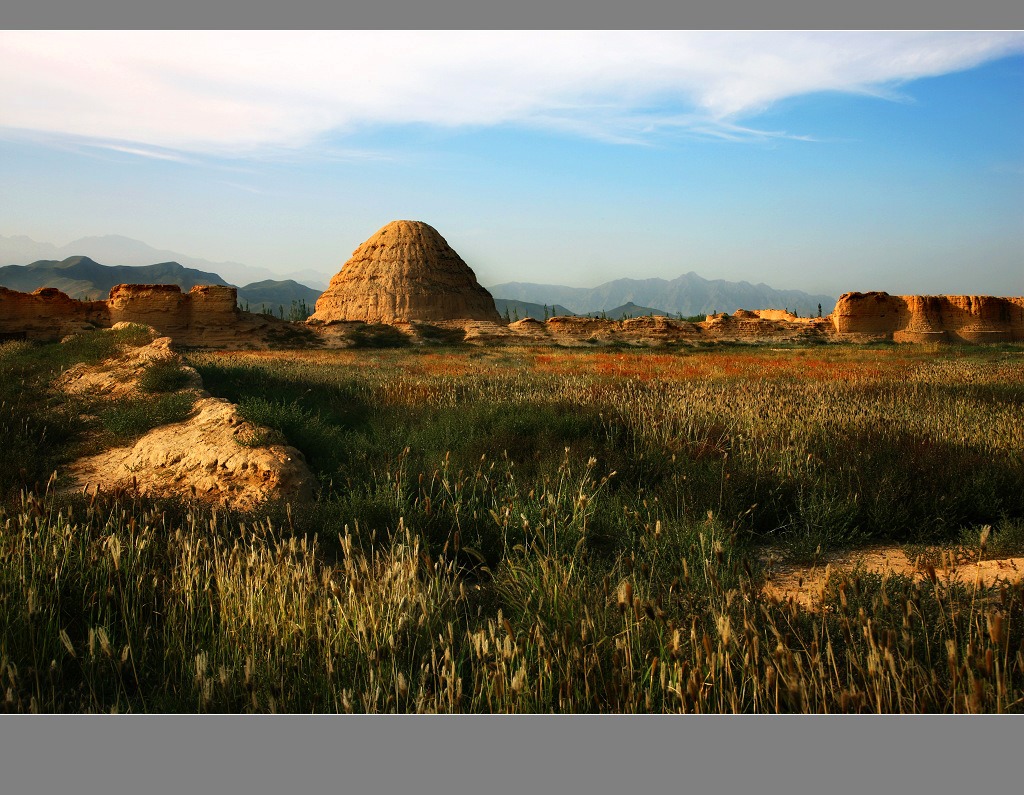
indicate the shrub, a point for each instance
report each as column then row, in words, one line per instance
column 378, row 335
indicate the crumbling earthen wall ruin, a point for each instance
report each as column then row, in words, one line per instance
column 930, row 318
column 206, row 315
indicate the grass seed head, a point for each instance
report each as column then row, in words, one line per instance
column 625, row 595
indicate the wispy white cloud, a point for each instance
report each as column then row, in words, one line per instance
column 259, row 92
column 142, row 151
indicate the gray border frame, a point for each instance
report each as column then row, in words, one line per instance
column 591, row 754
column 556, row 14
column 514, row 754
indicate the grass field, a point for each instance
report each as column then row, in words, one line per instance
column 531, row 530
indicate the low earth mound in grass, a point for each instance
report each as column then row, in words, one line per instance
column 808, row 585
column 191, row 445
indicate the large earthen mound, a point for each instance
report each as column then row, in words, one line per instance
column 405, row 272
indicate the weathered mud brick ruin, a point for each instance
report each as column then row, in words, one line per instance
column 405, row 272
column 205, row 316
column 929, row 318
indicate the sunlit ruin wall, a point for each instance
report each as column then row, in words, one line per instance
column 200, row 315
column 208, row 316
column 930, row 318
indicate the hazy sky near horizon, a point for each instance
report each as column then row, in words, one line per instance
column 818, row 161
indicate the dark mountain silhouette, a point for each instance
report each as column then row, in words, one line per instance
column 518, row 310
column 270, row 296
column 121, row 250
column 628, row 310
column 82, row 277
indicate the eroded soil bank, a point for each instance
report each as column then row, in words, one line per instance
column 213, row 454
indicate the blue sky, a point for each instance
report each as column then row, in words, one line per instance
column 824, row 162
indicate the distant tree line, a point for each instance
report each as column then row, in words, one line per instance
column 298, row 312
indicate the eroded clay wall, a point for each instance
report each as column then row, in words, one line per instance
column 930, row 318
column 50, row 314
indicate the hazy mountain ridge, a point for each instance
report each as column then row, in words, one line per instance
column 125, row 251
column 688, row 294
column 84, row 278
column 518, row 310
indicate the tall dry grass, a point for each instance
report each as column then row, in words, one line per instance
column 502, row 532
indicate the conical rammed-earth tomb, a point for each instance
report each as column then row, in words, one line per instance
column 405, row 272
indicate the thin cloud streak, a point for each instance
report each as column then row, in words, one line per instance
column 140, row 151
column 279, row 94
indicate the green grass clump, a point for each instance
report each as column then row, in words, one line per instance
column 130, row 417
column 43, row 428
column 320, row 441
column 40, row 426
column 163, row 375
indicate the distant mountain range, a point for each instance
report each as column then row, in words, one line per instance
column 75, row 269
column 84, row 278
column 686, row 295
column 120, row 250
column 518, row 310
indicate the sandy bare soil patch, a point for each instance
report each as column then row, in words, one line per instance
column 806, row 584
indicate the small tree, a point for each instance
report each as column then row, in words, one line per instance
column 819, row 310
column 515, row 312
column 299, row 311
column 546, row 312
